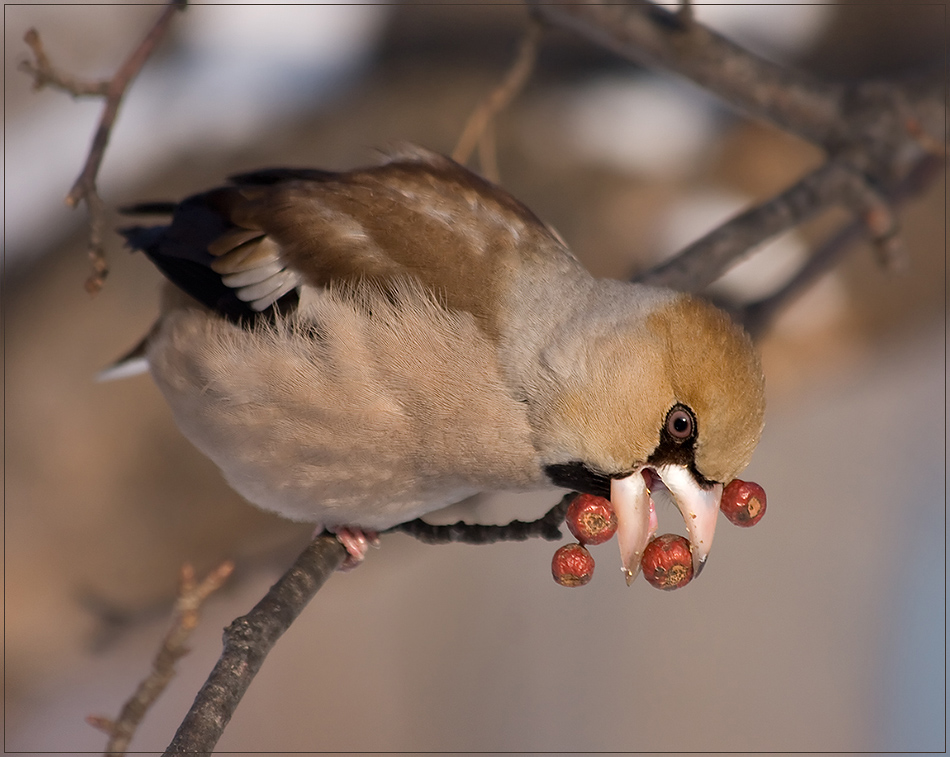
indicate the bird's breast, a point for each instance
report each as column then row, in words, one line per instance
column 358, row 409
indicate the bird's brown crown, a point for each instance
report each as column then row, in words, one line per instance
column 686, row 352
column 715, row 370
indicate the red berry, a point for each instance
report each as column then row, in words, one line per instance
column 572, row 565
column 591, row 519
column 667, row 562
column 743, row 502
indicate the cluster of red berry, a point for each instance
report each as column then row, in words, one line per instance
column 666, row 562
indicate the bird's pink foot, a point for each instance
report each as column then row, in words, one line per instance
column 356, row 541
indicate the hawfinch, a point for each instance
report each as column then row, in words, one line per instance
column 358, row 349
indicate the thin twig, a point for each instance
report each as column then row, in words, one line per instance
column 758, row 316
column 191, row 595
column 113, row 90
column 488, row 154
column 248, row 640
column 117, row 87
column 833, row 184
column 45, row 74
column 546, row 527
column 499, row 98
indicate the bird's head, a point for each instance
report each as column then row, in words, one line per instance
column 671, row 396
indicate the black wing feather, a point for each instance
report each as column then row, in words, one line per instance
column 271, row 176
column 180, row 251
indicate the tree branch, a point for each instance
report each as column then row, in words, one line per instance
column 45, row 74
column 191, row 595
column 655, row 37
column 476, row 130
column 248, row 640
column 757, row 316
column 113, row 90
column 874, row 132
column 705, row 260
column 546, row 527
column 880, row 116
column 833, row 184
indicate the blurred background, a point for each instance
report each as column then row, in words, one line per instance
column 822, row 629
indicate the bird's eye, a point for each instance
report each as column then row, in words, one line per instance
column 679, row 423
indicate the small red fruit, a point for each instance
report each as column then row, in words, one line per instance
column 572, row 565
column 591, row 519
column 743, row 502
column 667, row 562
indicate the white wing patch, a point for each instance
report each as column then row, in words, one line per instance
column 250, row 263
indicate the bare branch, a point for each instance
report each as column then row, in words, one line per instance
column 874, row 132
column 545, row 527
column 113, row 90
column 248, row 640
column 828, row 114
column 46, row 75
column 705, row 260
column 879, row 125
column 653, row 36
column 475, row 131
column 114, row 94
column 758, row 316
column 191, row 595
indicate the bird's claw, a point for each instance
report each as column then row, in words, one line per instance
column 357, row 542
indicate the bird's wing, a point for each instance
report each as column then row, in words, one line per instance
column 240, row 249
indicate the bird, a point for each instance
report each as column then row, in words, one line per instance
column 357, row 349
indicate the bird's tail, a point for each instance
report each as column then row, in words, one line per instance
column 132, row 363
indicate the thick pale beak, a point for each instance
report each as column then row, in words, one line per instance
column 636, row 520
column 698, row 506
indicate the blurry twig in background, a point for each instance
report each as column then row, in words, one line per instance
column 701, row 263
column 45, row 74
column 827, row 114
column 113, row 90
column 191, row 595
column 756, row 316
column 832, row 184
column 874, row 132
column 685, row 14
column 477, row 129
